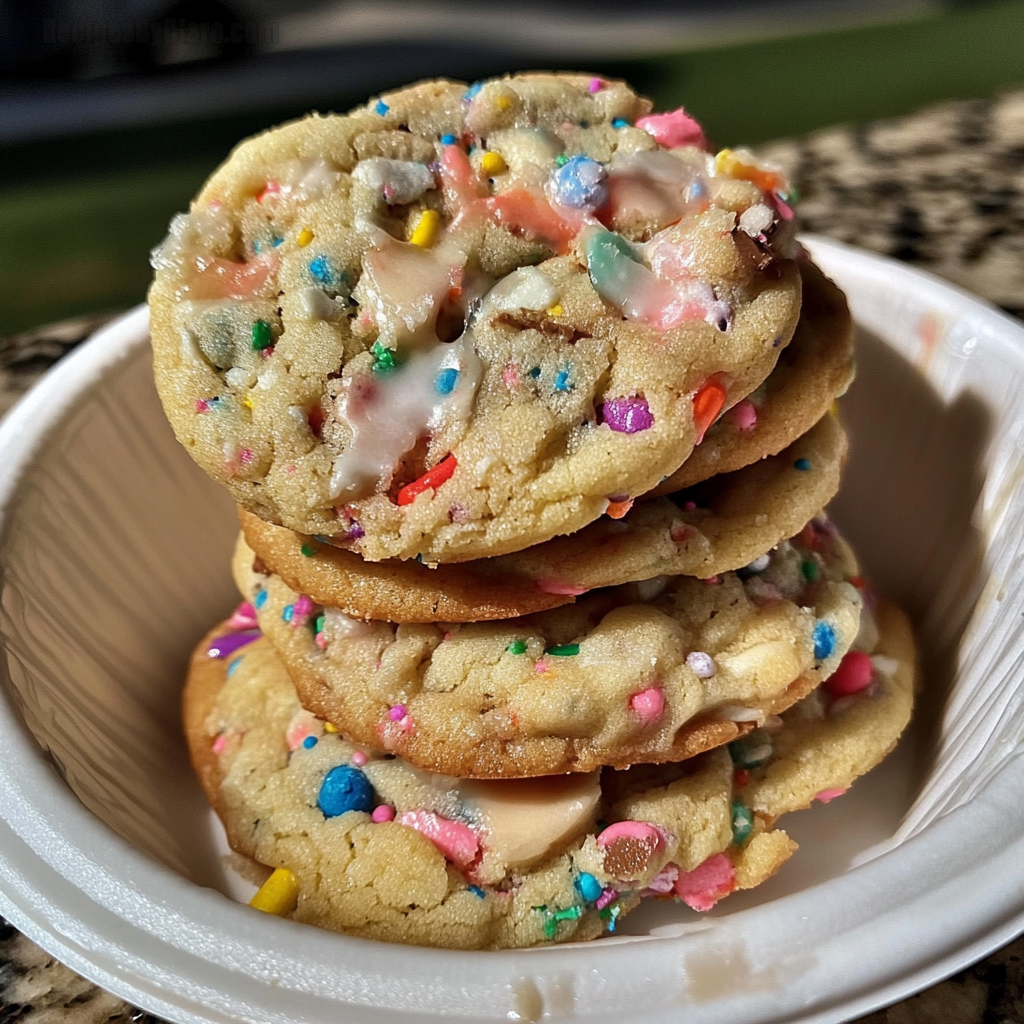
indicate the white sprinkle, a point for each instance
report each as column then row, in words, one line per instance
column 759, row 564
column 884, row 664
column 755, row 220
column 702, row 666
column 735, row 713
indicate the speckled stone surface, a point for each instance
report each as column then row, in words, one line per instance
column 942, row 189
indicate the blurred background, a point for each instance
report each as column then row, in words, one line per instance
column 112, row 112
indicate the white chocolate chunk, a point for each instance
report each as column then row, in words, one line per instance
column 395, row 181
column 525, row 288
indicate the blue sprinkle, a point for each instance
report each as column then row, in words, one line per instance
column 620, row 122
column 261, row 599
column 257, row 247
column 322, row 538
column 473, row 91
column 824, row 637
column 448, row 140
column 233, row 666
column 588, row 887
column 288, row 613
column 322, row 270
column 562, row 381
column 579, row 182
column 276, row 241
column 446, row 380
column 535, row 372
column 382, row 108
column 309, row 742
column 345, row 789
column 215, row 403
column 476, row 891
column 802, row 464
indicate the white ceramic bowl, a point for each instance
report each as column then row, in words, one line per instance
column 114, row 553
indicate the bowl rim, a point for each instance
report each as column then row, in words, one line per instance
column 948, row 896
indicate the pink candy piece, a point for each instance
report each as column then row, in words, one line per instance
column 359, row 759
column 854, row 674
column 303, row 724
column 321, row 641
column 606, row 897
column 303, row 607
column 550, row 586
column 383, row 813
column 456, row 841
column 707, row 883
column 673, row 129
column 630, row 830
column 827, row 795
column 243, row 617
column 744, row 415
column 596, row 85
column 398, row 712
column 220, row 743
column 648, row 705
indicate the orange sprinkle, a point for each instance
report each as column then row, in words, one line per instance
column 617, row 509
column 430, row 480
column 707, row 404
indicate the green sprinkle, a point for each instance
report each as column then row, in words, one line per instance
column 384, row 359
column 550, row 927
column 561, row 160
column 810, row 571
column 569, row 914
column 563, row 650
column 321, row 620
column 308, row 550
column 742, row 822
column 517, row 647
column 262, row 336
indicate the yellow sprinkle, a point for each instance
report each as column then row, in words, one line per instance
column 503, row 103
column 428, row 227
column 330, row 727
column 278, row 895
column 555, row 310
column 248, row 402
column 305, row 237
column 834, row 409
column 724, row 160
column 493, row 163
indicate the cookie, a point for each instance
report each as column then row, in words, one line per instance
column 722, row 525
column 814, row 369
column 649, row 672
column 364, row 843
column 456, row 323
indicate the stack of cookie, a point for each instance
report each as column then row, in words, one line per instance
column 525, row 399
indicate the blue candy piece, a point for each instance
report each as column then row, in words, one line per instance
column 620, row 122
column 477, row 891
column 562, row 381
column 802, row 464
column 322, row 271
column 309, row 742
column 261, row 599
column 448, row 140
column 579, row 182
column 824, row 637
column 588, row 887
column 381, row 108
column 445, row 381
column 345, row 789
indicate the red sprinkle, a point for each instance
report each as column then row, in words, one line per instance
column 853, row 675
column 272, row 188
column 430, row 480
column 707, row 404
column 617, row 509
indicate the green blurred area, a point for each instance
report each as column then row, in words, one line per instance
column 79, row 216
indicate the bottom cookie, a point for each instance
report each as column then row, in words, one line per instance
column 369, row 845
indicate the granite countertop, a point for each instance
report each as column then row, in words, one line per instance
column 942, row 189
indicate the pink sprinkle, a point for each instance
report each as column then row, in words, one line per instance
column 243, row 617
column 303, row 724
column 648, row 705
column 785, row 212
column 712, row 581
column 398, row 712
column 630, row 830
column 510, row 376
column 854, row 674
column 673, row 129
column 303, row 606
column 596, row 85
column 608, row 896
column 456, row 841
column 201, row 406
column 540, row 667
column 244, row 456
column 680, row 532
column 383, row 813
column 290, row 468
column 220, row 743
column 689, row 506
column 744, row 415
column 321, row 641
column 707, row 883
column 359, row 759
column 828, row 794
column 550, row 586
column 665, row 880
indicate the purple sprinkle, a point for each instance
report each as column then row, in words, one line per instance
column 355, row 531
column 225, row 646
column 397, row 713
column 627, row 415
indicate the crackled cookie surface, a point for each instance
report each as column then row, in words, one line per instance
column 813, row 370
column 365, row 843
column 460, row 321
column 716, row 527
column 649, row 672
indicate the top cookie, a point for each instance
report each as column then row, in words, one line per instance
column 457, row 323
